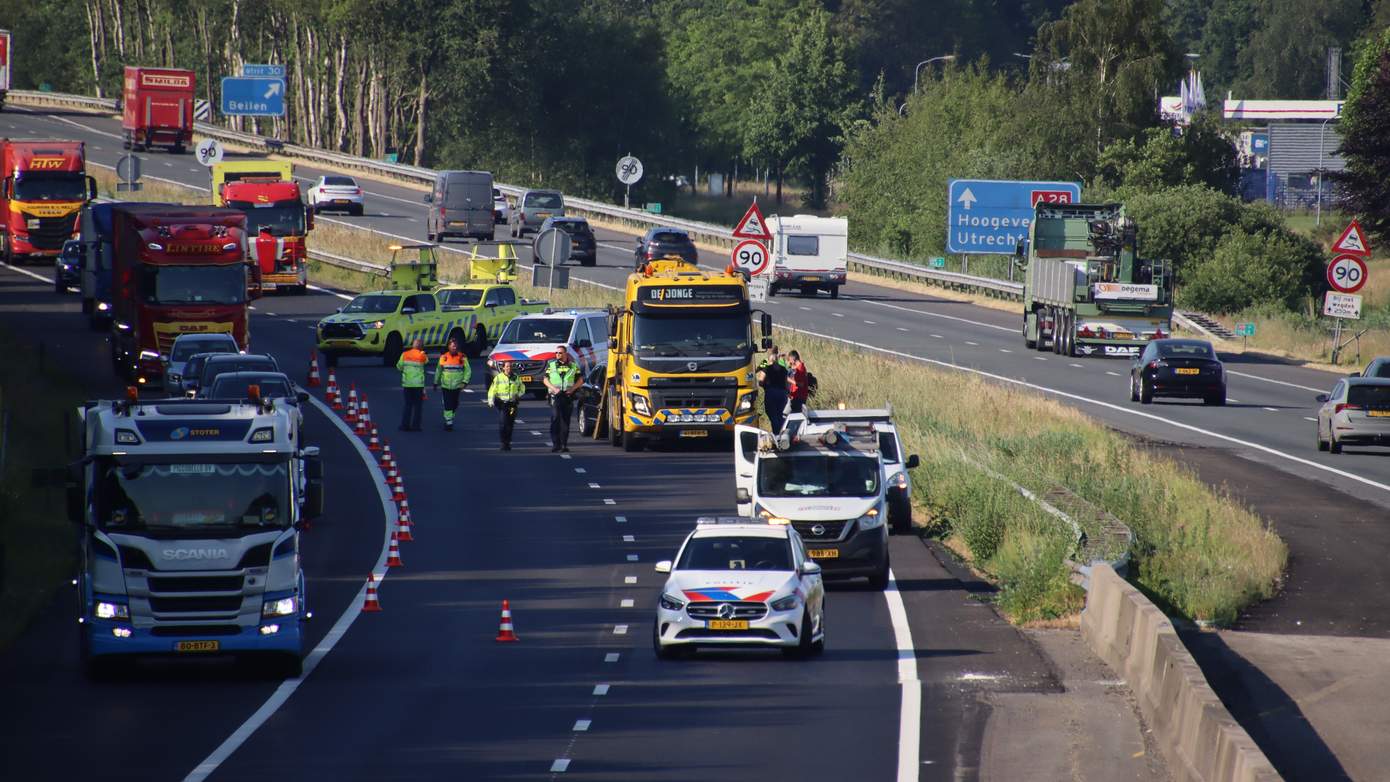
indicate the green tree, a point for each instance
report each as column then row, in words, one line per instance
column 1365, row 142
column 1226, row 34
column 1199, row 154
column 1287, row 54
column 1249, row 269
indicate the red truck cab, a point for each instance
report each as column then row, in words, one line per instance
column 44, row 187
column 175, row 270
column 157, row 108
column 277, row 224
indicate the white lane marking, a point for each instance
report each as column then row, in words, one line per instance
column 342, row 296
column 910, row 706
column 1272, row 409
column 600, row 689
column 620, row 519
column 629, row 538
column 632, row 557
column 533, row 431
column 1107, row 405
column 838, row 314
column 72, row 123
column 560, row 766
column 564, row 455
column 1040, row 358
column 582, row 725
column 1013, row 330
column 937, row 336
column 1005, row 350
column 611, row 657
column 870, row 323
column 1232, row 399
column 1276, row 382
column 273, row 315
column 594, row 486
column 580, row 470
column 804, row 307
column 619, row 629
column 28, row 273
column 167, row 164
column 614, row 247
column 1306, row 418
column 610, row 502
column 979, row 677
column 335, row 634
column 1112, row 374
column 630, row 580
column 968, row 342
column 1078, row 366
column 900, row 328
column 627, row 602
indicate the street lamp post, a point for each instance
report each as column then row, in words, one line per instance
column 1322, row 135
column 917, row 70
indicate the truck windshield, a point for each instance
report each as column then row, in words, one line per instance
column 818, row 476
column 742, row 553
column 460, row 297
column 281, row 219
column 223, row 284
column 664, row 336
column 373, row 303
column 191, row 497
column 51, row 186
column 550, row 330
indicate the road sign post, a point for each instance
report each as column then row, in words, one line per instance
column 629, row 172
column 253, row 96
column 209, row 152
column 553, row 248
column 991, row 217
column 128, row 169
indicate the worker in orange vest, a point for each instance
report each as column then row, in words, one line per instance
column 452, row 374
column 411, row 365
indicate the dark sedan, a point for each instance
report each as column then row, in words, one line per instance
column 67, row 267
column 665, row 243
column 1179, row 368
column 583, row 248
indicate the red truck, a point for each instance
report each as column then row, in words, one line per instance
column 277, row 224
column 157, row 108
column 175, row 270
column 44, row 187
column 4, row 66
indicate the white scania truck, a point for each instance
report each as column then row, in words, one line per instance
column 190, row 514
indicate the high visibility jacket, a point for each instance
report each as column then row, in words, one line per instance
column 506, row 389
column 562, row 376
column 412, row 368
column 453, row 371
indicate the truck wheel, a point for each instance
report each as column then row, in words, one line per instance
column 615, row 424
column 834, row 291
column 631, row 442
column 88, row 307
column 289, row 666
column 178, row 149
column 392, row 352
column 58, row 286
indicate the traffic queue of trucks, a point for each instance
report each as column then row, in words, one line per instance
column 277, row 220
column 157, row 108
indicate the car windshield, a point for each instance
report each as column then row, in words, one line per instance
column 185, row 349
column 552, row 330
column 236, row 387
column 56, row 186
column 281, row 219
column 192, row 497
column 244, row 364
column 460, row 297
column 223, row 284
column 544, row 200
column 374, row 303
column 1369, row 396
column 1378, row 369
column 661, row 336
column 818, row 476
column 572, row 226
column 1185, row 350
column 736, row 553
column 670, row 237
column 339, row 181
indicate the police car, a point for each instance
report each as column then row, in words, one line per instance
column 740, row 582
column 529, row 343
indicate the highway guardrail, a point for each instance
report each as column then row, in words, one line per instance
column 636, row 219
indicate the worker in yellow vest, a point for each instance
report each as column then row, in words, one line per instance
column 505, row 394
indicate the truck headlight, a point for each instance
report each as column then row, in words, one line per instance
column 112, row 611
column 670, row 603
column 149, row 355
column 871, row 520
column 760, row 512
column 285, row 606
column 745, row 402
column 639, row 404
column 787, row 603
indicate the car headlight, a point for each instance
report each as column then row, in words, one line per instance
column 285, row 606
column 871, row 520
column 639, row 404
column 149, row 355
column 670, row 603
column 766, row 515
column 376, row 324
column 745, row 402
column 787, row 603
column 112, row 611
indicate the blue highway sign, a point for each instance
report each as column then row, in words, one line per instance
column 986, row 216
column 276, row 71
column 244, row 96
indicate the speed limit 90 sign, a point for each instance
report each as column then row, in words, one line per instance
column 750, row 257
column 1346, row 274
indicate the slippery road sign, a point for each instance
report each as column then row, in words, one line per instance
column 1353, row 240
column 752, row 226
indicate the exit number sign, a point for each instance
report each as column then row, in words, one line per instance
column 1050, row 197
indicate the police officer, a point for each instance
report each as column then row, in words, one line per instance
column 562, row 383
column 450, row 376
column 411, row 365
column 772, row 377
column 504, row 394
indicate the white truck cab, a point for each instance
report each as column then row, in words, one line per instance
column 808, row 253
column 829, row 476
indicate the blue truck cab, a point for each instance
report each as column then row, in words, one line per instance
column 190, row 515
column 95, row 233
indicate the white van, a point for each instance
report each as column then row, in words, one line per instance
column 809, row 253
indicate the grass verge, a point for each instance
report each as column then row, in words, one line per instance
column 37, row 544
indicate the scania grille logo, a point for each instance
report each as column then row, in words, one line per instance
column 194, row 553
column 725, row 611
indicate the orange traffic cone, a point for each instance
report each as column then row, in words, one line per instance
column 374, row 444
column 352, row 404
column 371, row 604
column 387, row 460
column 364, row 412
column 313, row 381
column 393, row 556
column 405, row 520
column 402, row 532
column 334, row 398
column 504, row 632
column 360, row 428
column 399, row 495
column 392, row 477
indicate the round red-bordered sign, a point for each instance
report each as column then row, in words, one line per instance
column 1346, row 273
column 750, row 256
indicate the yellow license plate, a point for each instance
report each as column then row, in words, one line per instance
column 823, row 553
column 526, row 378
column 728, row 624
column 197, row 646
column 811, row 279
column 542, row 215
column 694, row 433
column 1189, row 371
column 1378, row 413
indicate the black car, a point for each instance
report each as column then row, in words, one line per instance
column 588, row 399
column 223, row 363
column 67, row 267
column 583, row 248
column 1180, row 368
column 235, row 386
column 664, row 243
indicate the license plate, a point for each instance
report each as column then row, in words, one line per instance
column 823, row 553
column 340, row 201
column 694, row 433
column 526, row 378
column 1189, row 371
column 197, row 646
column 542, row 215
column 811, row 279
column 1378, row 413
column 728, row 624
column 453, row 223
column 1122, row 335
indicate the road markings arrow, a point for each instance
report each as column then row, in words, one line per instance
column 967, row 199
column 274, row 89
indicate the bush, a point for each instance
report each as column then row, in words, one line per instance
column 1254, row 268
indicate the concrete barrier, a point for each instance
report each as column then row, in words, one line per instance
column 1200, row 739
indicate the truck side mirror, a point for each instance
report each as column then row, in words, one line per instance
column 767, row 343
column 313, row 485
column 91, row 188
column 1321, row 397
column 912, row 462
column 741, row 496
column 429, row 198
column 309, row 218
column 767, row 325
column 302, row 396
column 612, row 343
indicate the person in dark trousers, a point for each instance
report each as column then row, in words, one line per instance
column 452, row 374
column 411, row 365
column 505, row 394
column 798, row 387
column 561, row 383
column 772, row 378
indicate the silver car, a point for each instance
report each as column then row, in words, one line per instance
column 186, row 346
column 1356, row 412
column 336, row 193
column 533, row 208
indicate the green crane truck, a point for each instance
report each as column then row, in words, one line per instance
column 1086, row 291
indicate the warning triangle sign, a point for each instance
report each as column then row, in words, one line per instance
column 752, row 226
column 1353, row 240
